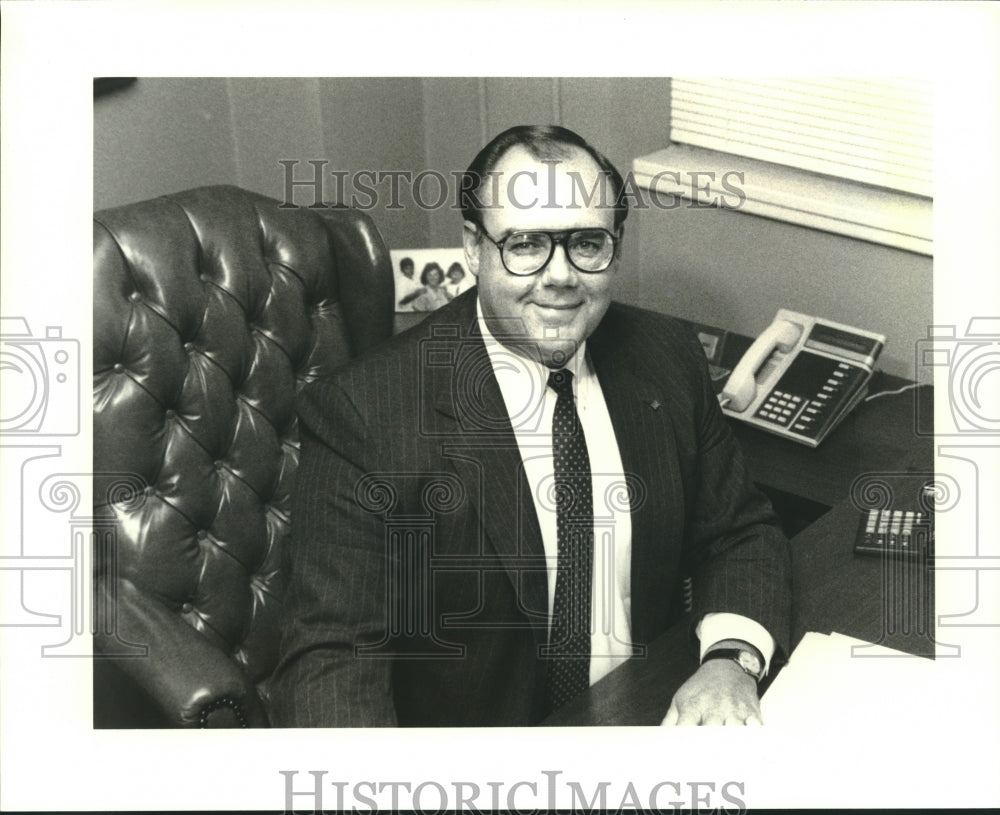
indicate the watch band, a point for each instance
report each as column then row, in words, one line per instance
column 743, row 657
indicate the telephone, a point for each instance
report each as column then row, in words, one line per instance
column 801, row 376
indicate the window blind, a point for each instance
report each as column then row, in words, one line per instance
column 877, row 132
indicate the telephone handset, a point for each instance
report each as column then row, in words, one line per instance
column 802, row 376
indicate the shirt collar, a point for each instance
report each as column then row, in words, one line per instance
column 501, row 356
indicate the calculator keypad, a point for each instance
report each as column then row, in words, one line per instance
column 904, row 533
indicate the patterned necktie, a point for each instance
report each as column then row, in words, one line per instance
column 569, row 640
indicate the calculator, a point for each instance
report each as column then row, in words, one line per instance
column 904, row 533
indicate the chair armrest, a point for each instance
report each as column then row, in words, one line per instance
column 192, row 681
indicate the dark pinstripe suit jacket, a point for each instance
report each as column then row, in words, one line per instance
column 417, row 588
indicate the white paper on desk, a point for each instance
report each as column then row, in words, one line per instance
column 838, row 682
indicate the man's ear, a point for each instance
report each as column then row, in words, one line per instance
column 471, row 240
column 621, row 240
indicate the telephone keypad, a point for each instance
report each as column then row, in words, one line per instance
column 807, row 393
column 780, row 407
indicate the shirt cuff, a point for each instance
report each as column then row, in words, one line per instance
column 717, row 626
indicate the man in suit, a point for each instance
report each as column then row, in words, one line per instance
column 497, row 507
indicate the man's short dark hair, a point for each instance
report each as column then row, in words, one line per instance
column 544, row 142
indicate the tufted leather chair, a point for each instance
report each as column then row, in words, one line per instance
column 212, row 307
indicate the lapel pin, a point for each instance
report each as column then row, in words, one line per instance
column 655, row 404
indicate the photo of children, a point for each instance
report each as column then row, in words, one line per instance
column 434, row 287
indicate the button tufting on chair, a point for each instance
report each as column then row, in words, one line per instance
column 212, row 308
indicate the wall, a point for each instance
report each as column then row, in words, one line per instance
column 720, row 267
column 162, row 135
column 159, row 136
column 462, row 114
column 731, row 269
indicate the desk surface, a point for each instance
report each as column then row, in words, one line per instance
column 877, row 436
column 885, row 601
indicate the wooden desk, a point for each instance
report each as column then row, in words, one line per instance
column 879, row 600
column 877, row 436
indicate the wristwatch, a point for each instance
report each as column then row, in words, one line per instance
column 748, row 660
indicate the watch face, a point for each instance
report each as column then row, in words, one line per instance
column 749, row 662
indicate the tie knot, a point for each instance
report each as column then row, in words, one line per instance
column 561, row 382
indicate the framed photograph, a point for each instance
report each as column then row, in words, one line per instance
column 426, row 279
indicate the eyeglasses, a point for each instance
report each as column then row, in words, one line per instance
column 527, row 253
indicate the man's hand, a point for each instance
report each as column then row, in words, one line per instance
column 719, row 692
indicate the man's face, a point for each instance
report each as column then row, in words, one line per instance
column 559, row 306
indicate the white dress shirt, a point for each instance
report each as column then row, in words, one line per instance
column 530, row 405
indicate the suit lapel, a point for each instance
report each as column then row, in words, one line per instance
column 477, row 440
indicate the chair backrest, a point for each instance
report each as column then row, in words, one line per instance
column 212, row 307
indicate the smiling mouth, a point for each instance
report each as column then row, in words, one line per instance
column 558, row 306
